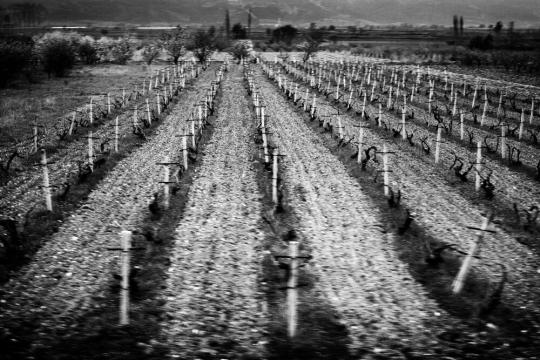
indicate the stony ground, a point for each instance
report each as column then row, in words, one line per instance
column 218, row 291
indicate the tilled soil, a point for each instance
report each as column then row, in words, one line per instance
column 444, row 215
column 23, row 190
column 70, row 273
column 214, row 308
column 353, row 259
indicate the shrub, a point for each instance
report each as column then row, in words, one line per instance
column 239, row 50
column 57, row 51
column 202, row 44
column 174, row 42
column 57, row 58
column 15, row 57
column 87, row 50
column 150, row 53
column 121, row 51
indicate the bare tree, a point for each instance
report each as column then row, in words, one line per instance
column 175, row 43
column 202, row 43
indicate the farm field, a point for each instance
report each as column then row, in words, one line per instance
column 277, row 210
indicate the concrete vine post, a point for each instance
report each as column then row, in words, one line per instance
column 532, row 112
column 521, row 124
column 459, row 281
column 275, row 177
column 125, row 264
column 91, row 115
column 46, row 185
column 484, row 111
column 474, row 95
column 364, row 106
column 386, row 177
column 35, row 138
column 185, row 149
column 438, row 145
column 123, row 97
column 478, row 166
column 461, row 126
column 91, row 151
column 360, row 144
column 166, row 179
column 108, row 103
column 380, row 115
column 292, row 290
column 403, row 119
column 158, row 103
column 148, row 114
column 503, row 141
column 71, row 125
column 116, row 134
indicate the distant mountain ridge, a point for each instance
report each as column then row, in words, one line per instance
column 353, row 12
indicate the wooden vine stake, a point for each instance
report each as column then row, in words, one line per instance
column 292, row 290
column 46, row 185
column 478, row 165
column 125, row 263
column 108, row 103
column 438, row 145
column 459, row 281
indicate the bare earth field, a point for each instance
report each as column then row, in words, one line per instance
column 210, row 279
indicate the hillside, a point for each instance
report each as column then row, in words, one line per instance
column 523, row 12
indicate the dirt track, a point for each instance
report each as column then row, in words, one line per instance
column 213, row 305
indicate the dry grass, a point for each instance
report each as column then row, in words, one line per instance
column 49, row 99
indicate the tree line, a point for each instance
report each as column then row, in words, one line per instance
column 22, row 14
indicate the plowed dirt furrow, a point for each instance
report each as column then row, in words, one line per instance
column 356, row 267
column 445, row 214
column 69, row 274
column 23, row 192
column 212, row 298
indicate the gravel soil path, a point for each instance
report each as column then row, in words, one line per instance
column 70, row 273
column 212, row 299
